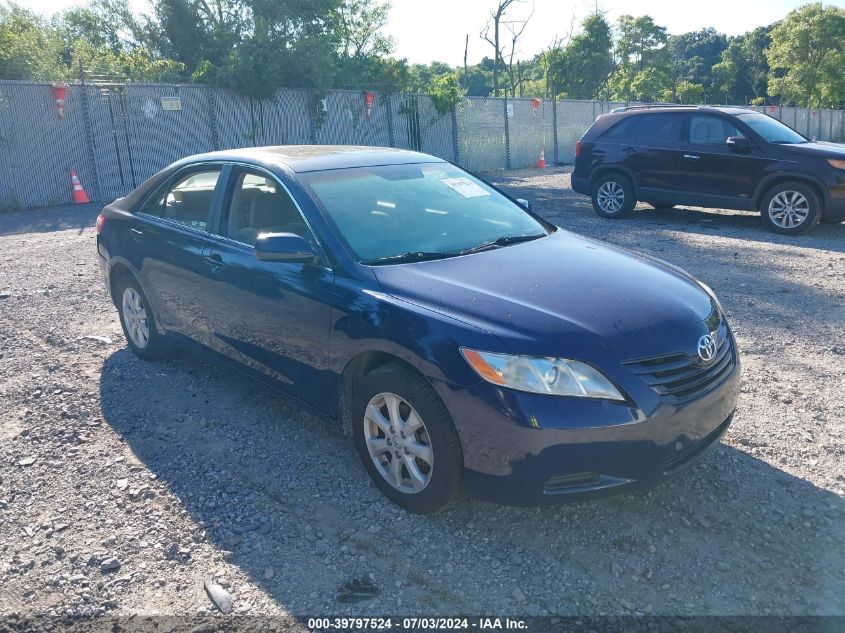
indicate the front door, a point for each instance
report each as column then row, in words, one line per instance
column 272, row 317
column 715, row 171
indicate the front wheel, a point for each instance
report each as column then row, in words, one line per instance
column 790, row 208
column 613, row 196
column 406, row 439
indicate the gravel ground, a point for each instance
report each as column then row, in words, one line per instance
column 126, row 486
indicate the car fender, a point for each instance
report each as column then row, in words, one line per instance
column 601, row 170
column 767, row 181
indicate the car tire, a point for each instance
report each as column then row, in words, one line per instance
column 613, row 196
column 421, row 471
column 139, row 328
column 790, row 208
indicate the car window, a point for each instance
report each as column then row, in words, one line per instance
column 260, row 205
column 771, row 129
column 710, row 130
column 187, row 201
column 660, row 128
column 622, row 129
column 392, row 210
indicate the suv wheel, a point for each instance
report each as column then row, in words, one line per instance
column 790, row 208
column 613, row 196
column 406, row 439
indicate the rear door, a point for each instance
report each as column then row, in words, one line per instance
column 716, row 172
column 171, row 233
column 653, row 153
column 272, row 317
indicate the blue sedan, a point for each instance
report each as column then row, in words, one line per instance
column 466, row 344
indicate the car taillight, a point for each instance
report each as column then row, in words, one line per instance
column 577, row 149
column 101, row 222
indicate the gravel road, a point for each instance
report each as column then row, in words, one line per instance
column 126, row 487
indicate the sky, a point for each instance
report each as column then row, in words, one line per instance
column 435, row 30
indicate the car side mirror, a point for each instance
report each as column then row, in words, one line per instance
column 738, row 144
column 525, row 203
column 283, row 247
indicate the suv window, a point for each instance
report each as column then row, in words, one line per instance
column 710, row 130
column 622, row 129
column 187, row 201
column 260, row 205
column 660, row 127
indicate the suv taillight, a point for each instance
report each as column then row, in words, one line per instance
column 577, row 149
column 101, row 222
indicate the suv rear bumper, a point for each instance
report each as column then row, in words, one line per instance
column 581, row 185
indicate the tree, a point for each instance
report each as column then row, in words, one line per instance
column 642, row 71
column 29, row 47
column 581, row 69
column 743, row 70
column 360, row 23
column 806, row 57
column 692, row 57
column 515, row 27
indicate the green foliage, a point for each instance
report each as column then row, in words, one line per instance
column 581, row 69
column 445, row 93
column 29, row 48
column 807, row 56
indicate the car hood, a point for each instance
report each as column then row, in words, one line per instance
column 816, row 148
column 561, row 295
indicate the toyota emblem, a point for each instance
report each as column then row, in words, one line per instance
column 707, row 348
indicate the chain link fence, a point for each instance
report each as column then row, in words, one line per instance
column 115, row 136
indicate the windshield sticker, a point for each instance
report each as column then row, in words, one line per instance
column 465, row 187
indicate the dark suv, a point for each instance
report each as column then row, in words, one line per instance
column 725, row 158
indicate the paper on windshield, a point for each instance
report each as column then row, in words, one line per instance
column 465, row 187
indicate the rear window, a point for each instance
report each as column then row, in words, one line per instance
column 622, row 129
column 660, row 127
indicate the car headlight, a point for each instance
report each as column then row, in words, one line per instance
column 537, row 374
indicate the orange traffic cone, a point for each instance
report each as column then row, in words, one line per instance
column 79, row 195
column 542, row 162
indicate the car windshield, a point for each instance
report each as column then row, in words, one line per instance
column 771, row 129
column 395, row 213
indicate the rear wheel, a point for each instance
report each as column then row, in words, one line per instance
column 790, row 208
column 138, row 324
column 406, row 439
column 613, row 196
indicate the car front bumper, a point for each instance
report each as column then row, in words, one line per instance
column 529, row 449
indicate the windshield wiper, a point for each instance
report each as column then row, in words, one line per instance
column 404, row 258
column 421, row 256
column 506, row 240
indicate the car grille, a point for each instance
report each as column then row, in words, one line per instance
column 679, row 377
column 689, row 454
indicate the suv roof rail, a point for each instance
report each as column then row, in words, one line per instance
column 656, row 105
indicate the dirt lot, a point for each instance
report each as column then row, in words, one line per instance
column 124, row 485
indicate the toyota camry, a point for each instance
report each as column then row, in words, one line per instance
column 466, row 344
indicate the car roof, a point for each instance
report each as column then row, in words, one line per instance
column 305, row 158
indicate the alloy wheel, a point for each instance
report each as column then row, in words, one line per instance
column 789, row 209
column 398, row 443
column 611, row 197
column 135, row 317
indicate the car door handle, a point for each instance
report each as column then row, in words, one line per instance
column 136, row 233
column 630, row 150
column 692, row 156
column 215, row 262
